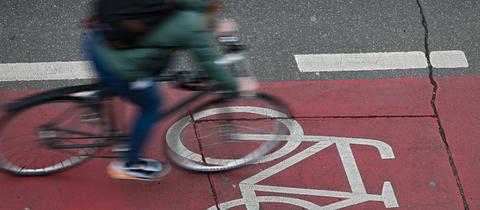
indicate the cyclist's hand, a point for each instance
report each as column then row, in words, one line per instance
column 225, row 28
column 247, row 84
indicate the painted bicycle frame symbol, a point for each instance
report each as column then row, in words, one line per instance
column 250, row 186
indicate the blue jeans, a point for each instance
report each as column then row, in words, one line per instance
column 146, row 97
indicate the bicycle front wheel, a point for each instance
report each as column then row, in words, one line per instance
column 31, row 138
column 225, row 134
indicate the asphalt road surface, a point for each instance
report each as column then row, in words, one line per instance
column 396, row 78
column 274, row 30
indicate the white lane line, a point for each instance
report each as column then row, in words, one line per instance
column 379, row 61
column 448, row 59
column 306, row 63
column 46, row 71
column 361, row 61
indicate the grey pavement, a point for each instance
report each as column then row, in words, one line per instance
column 274, row 30
column 454, row 25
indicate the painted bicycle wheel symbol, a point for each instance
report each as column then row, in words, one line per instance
column 250, row 186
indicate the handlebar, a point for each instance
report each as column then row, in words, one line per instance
column 199, row 80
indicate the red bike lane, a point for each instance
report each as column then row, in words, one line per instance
column 458, row 105
column 365, row 144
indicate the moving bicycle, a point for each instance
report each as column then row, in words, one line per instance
column 129, row 47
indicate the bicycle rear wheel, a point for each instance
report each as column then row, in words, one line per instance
column 225, row 134
column 30, row 139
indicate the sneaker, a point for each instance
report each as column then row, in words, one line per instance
column 143, row 169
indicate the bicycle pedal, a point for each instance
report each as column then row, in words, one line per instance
column 47, row 134
column 119, row 148
column 90, row 117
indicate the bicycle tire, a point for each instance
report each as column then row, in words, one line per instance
column 190, row 140
column 42, row 110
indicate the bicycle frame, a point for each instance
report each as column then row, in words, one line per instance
column 94, row 94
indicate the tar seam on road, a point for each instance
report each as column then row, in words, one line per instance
column 210, row 181
column 363, row 117
column 435, row 110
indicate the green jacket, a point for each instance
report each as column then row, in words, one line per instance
column 186, row 28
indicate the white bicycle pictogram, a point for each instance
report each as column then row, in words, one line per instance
column 250, row 186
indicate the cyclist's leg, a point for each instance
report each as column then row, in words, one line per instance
column 147, row 98
column 132, row 166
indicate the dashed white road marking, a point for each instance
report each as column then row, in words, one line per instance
column 448, row 59
column 306, row 63
column 379, row 61
column 46, row 71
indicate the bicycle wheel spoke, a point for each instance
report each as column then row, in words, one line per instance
column 34, row 156
column 65, row 113
column 75, row 132
column 34, row 159
column 219, row 143
column 30, row 150
column 25, row 150
column 16, row 142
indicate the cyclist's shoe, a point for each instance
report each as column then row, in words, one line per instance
column 143, row 169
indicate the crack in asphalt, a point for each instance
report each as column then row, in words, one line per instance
column 364, row 117
column 436, row 115
column 209, row 177
column 434, row 83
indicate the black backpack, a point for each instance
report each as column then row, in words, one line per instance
column 124, row 21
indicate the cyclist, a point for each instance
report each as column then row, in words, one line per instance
column 125, row 62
